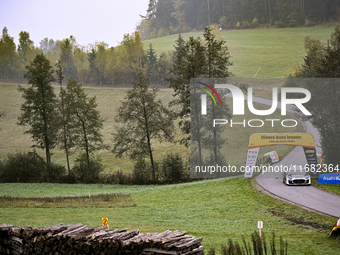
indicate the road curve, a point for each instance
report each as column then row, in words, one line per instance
column 306, row 196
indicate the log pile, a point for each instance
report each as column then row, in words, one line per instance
column 79, row 239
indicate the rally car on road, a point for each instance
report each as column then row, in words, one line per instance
column 296, row 175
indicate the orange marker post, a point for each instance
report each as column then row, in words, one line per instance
column 105, row 221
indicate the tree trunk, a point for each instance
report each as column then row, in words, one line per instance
column 86, row 148
column 64, row 130
column 151, row 158
column 198, row 135
column 149, row 143
column 47, row 142
column 270, row 12
column 48, row 157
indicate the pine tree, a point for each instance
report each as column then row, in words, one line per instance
column 152, row 63
column 323, row 61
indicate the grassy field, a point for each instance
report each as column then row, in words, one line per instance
column 275, row 51
column 214, row 209
column 330, row 187
column 12, row 138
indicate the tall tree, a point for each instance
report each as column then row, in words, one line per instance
column 24, row 44
column 81, row 62
column 39, row 110
column 66, row 58
column 7, row 55
column 217, row 54
column 217, row 61
column 94, row 72
column 152, row 63
column 65, row 140
column 179, row 43
column 323, row 61
column 101, row 60
column 46, row 45
column 189, row 63
column 195, row 60
column 85, row 120
column 179, row 15
column 142, row 120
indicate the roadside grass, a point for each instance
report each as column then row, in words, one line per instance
column 274, row 50
column 330, row 187
column 213, row 209
column 102, row 201
column 13, row 139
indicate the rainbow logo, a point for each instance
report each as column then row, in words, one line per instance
column 208, row 92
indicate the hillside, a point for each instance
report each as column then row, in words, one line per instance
column 274, row 50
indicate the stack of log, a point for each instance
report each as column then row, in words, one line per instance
column 79, row 239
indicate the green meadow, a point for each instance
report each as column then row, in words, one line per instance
column 213, row 209
column 13, row 139
column 273, row 51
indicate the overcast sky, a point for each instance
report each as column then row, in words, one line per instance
column 87, row 20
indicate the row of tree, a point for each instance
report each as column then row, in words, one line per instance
column 71, row 120
column 165, row 17
column 66, row 121
column 94, row 64
column 323, row 61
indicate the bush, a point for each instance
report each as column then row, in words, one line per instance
column 83, row 173
column 279, row 24
column 57, row 172
column 23, row 167
column 69, row 178
column 238, row 25
column 118, row 177
column 173, row 169
column 142, row 172
column 255, row 23
column 245, row 24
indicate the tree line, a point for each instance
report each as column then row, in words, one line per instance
column 322, row 61
column 164, row 17
column 92, row 64
column 70, row 119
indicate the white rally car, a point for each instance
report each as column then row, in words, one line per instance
column 296, row 175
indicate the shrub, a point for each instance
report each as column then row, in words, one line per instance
column 118, row 177
column 255, row 23
column 238, row 25
column 57, row 172
column 23, row 167
column 69, row 178
column 172, row 168
column 142, row 172
column 83, row 173
column 279, row 24
column 245, row 24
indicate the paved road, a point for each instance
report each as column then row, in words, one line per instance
column 307, row 196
